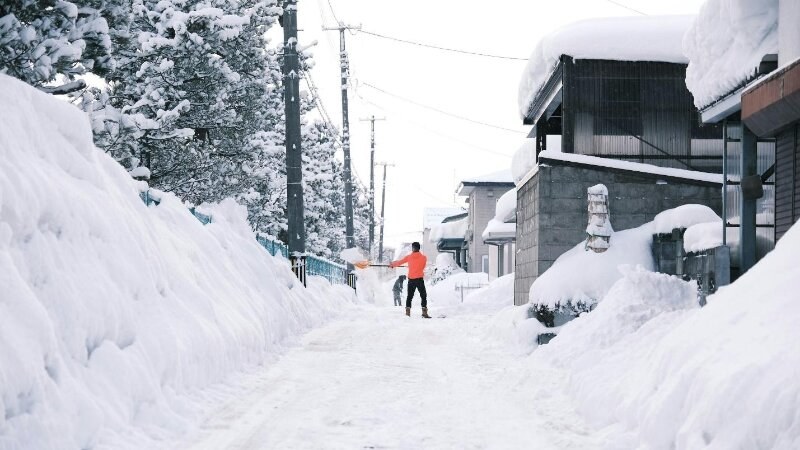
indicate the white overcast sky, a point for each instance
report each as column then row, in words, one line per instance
column 431, row 151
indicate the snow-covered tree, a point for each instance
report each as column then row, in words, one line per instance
column 48, row 43
column 187, row 92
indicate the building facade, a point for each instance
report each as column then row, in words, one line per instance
column 482, row 194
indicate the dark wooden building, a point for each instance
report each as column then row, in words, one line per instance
column 638, row 111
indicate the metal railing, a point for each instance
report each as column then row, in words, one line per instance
column 321, row 267
column 273, row 247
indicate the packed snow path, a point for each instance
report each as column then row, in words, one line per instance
column 378, row 379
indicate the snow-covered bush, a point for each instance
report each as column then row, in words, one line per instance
column 445, row 266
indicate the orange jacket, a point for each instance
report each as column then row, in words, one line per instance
column 416, row 264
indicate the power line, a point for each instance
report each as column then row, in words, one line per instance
column 440, row 111
column 430, row 130
column 332, row 12
column 454, row 50
column 626, row 7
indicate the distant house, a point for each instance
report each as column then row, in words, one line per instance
column 449, row 237
column 612, row 94
column 744, row 74
column 431, row 218
column 482, row 193
column 501, row 235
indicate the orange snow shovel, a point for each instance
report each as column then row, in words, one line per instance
column 366, row 263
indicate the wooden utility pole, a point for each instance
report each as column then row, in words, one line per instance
column 383, row 208
column 294, row 174
column 348, row 178
column 372, row 120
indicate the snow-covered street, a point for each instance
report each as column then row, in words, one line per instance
column 377, row 379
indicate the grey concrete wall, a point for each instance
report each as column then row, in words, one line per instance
column 551, row 212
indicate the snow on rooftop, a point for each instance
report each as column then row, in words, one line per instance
column 631, row 166
column 449, row 230
column 506, row 206
column 726, row 44
column 524, row 160
column 434, row 216
column 501, row 176
column 496, row 228
column 683, row 216
column 651, row 38
column 703, row 236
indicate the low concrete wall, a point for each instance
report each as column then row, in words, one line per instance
column 552, row 205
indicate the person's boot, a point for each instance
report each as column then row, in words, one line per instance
column 425, row 313
column 408, row 312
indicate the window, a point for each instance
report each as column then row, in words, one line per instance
column 485, row 263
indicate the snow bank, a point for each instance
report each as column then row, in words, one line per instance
column 655, row 371
column 585, row 276
column 726, row 44
column 447, row 292
column 112, row 313
column 683, row 216
column 651, row 38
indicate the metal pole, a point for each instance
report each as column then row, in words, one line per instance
column 747, row 208
column 294, row 174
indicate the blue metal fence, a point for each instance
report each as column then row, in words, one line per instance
column 273, row 247
column 333, row 272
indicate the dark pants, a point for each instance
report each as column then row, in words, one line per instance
column 397, row 298
column 413, row 285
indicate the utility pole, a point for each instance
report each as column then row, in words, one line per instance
column 372, row 120
column 383, row 208
column 350, row 241
column 294, row 173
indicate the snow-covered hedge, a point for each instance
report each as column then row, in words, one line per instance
column 111, row 312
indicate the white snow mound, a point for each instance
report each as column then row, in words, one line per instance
column 653, row 370
column 113, row 313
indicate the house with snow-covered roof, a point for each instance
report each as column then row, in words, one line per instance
column 608, row 104
column 501, row 236
column 449, row 237
column 430, row 218
column 482, row 193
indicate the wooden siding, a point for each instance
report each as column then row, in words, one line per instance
column 787, row 180
column 636, row 111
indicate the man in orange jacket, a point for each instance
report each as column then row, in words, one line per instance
column 416, row 267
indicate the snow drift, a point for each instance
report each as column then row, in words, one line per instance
column 653, row 370
column 112, row 313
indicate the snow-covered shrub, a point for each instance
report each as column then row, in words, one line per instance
column 445, row 266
